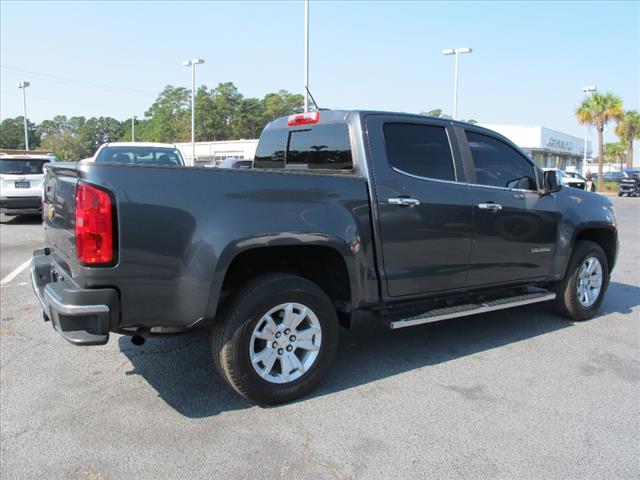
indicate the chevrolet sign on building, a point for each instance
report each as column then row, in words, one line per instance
column 549, row 148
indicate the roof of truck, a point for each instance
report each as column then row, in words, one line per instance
column 342, row 116
column 328, row 116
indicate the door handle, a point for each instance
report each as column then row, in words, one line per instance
column 490, row 206
column 404, row 202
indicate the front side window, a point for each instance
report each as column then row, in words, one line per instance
column 421, row 150
column 499, row 165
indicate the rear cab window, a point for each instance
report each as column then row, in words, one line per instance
column 324, row 147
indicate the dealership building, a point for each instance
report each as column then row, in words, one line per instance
column 548, row 148
column 208, row 153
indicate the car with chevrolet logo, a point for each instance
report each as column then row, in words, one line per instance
column 21, row 177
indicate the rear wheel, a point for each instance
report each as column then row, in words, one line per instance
column 580, row 294
column 276, row 338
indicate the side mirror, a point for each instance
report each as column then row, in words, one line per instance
column 551, row 181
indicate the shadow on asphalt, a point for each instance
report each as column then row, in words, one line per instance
column 21, row 219
column 620, row 298
column 181, row 370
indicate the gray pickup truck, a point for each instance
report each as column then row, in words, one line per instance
column 395, row 217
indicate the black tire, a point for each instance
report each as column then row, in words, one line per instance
column 567, row 302
column 231, row 336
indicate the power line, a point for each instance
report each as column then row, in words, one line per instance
column 81, row 83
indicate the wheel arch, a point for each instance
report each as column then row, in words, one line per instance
column 604, row 235
column 326, row 261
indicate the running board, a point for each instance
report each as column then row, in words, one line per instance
column 473, row 309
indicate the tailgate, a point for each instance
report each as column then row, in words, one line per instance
column 20, row 185
column 58, row 212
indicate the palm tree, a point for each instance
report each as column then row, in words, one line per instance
column 614, row 152
column 628, row 130
column 598, row 110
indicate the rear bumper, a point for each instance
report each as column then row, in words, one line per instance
column 20, row 205
column 80, row 316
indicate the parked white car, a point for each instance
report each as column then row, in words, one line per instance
column 235, row 162
column 139, row 153
column 21, row 177
column 571, row 179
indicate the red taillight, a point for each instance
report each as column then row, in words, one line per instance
column 94, row 225
column 303, row 119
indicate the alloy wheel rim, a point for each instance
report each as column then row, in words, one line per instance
column 589, row 281
column 285, row 343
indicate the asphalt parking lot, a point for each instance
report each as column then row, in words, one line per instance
column 514, row 394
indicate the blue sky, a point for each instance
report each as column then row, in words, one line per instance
column 528, row 64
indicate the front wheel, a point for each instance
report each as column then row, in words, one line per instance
column 580, row 294
column 276, row 338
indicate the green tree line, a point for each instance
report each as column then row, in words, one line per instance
column 222, row 113
column 437, row 112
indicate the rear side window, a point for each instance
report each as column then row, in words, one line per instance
column 499, row 165
column 421, row 150
column 321, row 147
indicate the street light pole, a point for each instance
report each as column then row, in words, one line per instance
column 456, row 52
column 133, row 128
column 306, row 56
column 23, row 86
column 192, row 64
column 455, row 87
column 588, row 91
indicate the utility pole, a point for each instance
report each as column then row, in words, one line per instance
column 133, row 128
column 192, row 64
column 456, row 52
column 23, row 86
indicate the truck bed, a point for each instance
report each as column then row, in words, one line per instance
column 178, row 228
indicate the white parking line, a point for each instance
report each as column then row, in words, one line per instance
column 15, row 273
